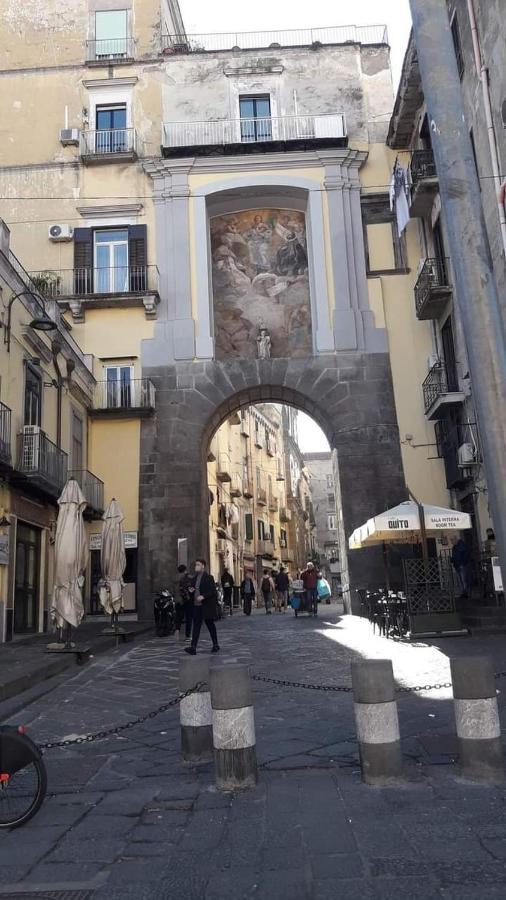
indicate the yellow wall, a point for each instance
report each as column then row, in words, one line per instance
column 111, row 440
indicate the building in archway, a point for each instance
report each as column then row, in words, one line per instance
column 214, row 223
column 326, row 513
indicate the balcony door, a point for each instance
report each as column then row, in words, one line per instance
column 119, row 387
column 111, row 261
column 26, row 587
column 33, row 397
column 449, row 355
column 111, row 129
column 111, row 33
column 256, row 122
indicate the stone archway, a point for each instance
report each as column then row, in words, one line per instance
column 350, row 396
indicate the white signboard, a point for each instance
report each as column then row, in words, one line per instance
column 129, row 536
column 496, row 570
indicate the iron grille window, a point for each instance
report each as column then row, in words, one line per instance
column 457, row 44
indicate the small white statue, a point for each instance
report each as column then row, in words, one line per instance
column 264, row 344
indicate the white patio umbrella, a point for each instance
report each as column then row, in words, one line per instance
column 112, row 560
column 401, row 525
column 71, row 558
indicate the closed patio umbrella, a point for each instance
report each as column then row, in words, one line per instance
column 71, row 557
column 113, row 561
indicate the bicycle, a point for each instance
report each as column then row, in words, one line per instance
column 23, row 778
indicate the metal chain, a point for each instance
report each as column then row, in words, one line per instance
column 345, row 688
column 99, row 735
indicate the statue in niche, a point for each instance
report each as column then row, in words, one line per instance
column 264, row 343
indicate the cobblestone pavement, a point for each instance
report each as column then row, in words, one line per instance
column 125, row 818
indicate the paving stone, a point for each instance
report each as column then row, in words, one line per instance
column 95, row 824
column 285, row 884
column 58, row 872
column 337, row 865
column 127, row 802
column 391, row 866
column 465, row 872
column 105, row 849
column 24, row 854
column 327, row 889
column 407, row 889
column 235, row 884
column 142, row 849
column 11, row 874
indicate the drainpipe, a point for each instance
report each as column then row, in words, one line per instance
column 482, row 69
column 56, row 348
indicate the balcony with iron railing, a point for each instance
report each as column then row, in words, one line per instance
column 432, row 289
column 97, row 283
column 265, row 547
column 123, row 398
column 247, row 488
column 285, row 514
column 236, row 489
column 287, row 555
column 261, row 495
column 93, row 491
column 243, row 134
column 273, row 503
column 5, row 435
column 258, row 40
column 41, row 462
column 424, row 182
column 441, row 391
column 459, row 448
column 224, row 468
column 109, row 145
column 110, row 50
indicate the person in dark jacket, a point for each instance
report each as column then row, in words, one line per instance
column 247, row 593
column 461, row 560
column 184, row 604
column 205, row 607
column 282, row 583
column 227, row 583
column 310, row 583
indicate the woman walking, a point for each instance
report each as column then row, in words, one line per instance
column 247, row 593
column 267, row 591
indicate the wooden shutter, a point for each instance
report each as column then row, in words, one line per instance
column 138, row 257
column 248, row 521
column 83, row 260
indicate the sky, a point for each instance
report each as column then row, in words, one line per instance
column 204, row 17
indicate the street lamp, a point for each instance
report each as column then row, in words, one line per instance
column 39, row 323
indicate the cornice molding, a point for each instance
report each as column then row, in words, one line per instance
column 120, row 209
column 125, row 81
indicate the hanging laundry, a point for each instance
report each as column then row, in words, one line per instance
column 399, row 196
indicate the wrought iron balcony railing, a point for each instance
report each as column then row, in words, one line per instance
column 109, row 142
column 253, row 130
column 92, row 488
column 261, row 496
column 266, row 547
column 90, row 281
column 285, row 514
column 224, row 468
column 42, row 461
column 439, row 381
column 252, row 40
column 422, row 166
column 110, row 50
column 5, row 434
column 432, row 288
column 136, row 395
column 273, row 503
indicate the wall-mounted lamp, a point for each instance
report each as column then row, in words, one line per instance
column 40, row 323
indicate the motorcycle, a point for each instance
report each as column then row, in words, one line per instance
column 164, row 609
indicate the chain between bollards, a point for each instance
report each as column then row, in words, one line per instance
column 100, row 735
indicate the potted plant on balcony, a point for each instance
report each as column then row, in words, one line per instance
column 47, row 283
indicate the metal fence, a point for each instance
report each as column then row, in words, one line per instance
column 117, row 394
column 439, row 381
column 433, row 275
column 92, row 488
column 429, row 586
column 5, row 433
column 108, row 141
column 422, row 165
column 40, row 459
column 252, row 40
column 110, row 49
column 88, row 280
column 254, row 130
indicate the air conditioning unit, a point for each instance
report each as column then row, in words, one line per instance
column 60, row 233
column 467, row 455
column 69, row 137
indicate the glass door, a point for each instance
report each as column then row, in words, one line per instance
column 111, row 129
column 111, row 261
column 119, row 387
column 26, row 586
column 256, row 123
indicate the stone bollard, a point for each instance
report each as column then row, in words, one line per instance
column 195, row 710
column 376, row 720
column 235, row 757
column 477, row 717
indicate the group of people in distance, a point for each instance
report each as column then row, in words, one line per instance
column 197, row 600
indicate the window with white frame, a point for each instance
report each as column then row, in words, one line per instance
column 332, row 523
column 119, row 386
column 110, row 252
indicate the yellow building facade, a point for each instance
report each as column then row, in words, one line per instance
column 150, row 198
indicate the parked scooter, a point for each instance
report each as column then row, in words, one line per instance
column 165, row 613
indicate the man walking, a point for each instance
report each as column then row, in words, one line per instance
column 247, row 593
column 461, row 560
column 267, row 591
column 310, row 583
column 184, row 611
column 227, row 583
column 282, row 588
column 203, row 591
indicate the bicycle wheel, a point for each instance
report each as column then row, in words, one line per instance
column 23, row 780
